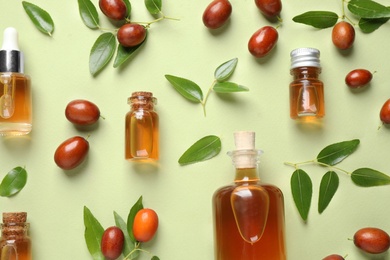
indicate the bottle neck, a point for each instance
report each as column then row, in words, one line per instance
column 245, row 162
column 305, row 72
column 14, row 230
column 142, row 100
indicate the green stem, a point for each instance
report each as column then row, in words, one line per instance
column 314, row 161
column 203, row 102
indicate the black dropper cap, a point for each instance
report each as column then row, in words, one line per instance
column 11, row 58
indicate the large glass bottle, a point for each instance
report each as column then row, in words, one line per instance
column 15, row 244
column 15, row 88
column 248, row 214
column 306, row 90
column 142, row 128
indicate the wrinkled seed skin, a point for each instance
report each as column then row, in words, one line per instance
column 385, row 112
column 145, row 225
column 358, row 78
column 131, row 34
column 270, row 8
column 112, row 243
column 333, row 257
column 343, row 35
column 82, row 112
column 216, row 14
column 263, row 41
column 372, row 240
column 71, row 153
column 113, row 9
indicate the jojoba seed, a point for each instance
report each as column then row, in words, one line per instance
column 71, row 153
column 372, row 240
column 82, row 112
column 145, row 225
column 385, row 112
column 270, row 8
column 131, row 34
column 343, row 35
column 113, row 9
column 358, row 78
column 263, row 41
column 333, row 257
column 112, row 243
column 217, row 13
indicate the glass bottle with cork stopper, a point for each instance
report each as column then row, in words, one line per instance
column 248, row 214
column 15, row 244
column 142, row 128
column 306, row 90
column 15, row 88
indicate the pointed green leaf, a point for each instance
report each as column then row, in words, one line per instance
column 335, row 153
column 187, row 88
column 88, row 14
column 368, row 9
column 129, row 245
column 328, row 187
column 317, row 19
column 367, row 177
column 155, row 258
column 225, row 70
column 123, row 53
column 203, row 149
column 128, row 6
column 153, row 6
column 369, row 25
column 302, row 190
column 93, row 235
column 13, row 182
column 228, row 87
column 40, row 18
column 130, row 218
column 101, row 52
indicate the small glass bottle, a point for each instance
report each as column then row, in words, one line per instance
column 306, row 90
column 15, row 244
column 15, row 88
column 248, row 214
column 142, row 128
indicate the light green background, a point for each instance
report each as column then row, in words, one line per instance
column 181, row 196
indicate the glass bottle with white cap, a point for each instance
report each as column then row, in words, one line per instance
column 306, row 90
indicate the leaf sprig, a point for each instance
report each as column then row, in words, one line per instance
column 94, row 231
column 40, row 18
column 331, row 155
column 103, row 50
column 370, row 15
column 191, row 91
column 203, row 149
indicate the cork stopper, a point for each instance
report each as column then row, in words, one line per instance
column 245, row 155
column 14, row 217
column 244, row 140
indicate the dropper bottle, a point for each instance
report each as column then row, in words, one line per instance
column 248, row 214
column 15, row 88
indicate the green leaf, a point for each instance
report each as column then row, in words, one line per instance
column 40, row 18
column 335, row 153
column 228, row 87
column 153, row 6
column 368, row 9
column 155, row 258
column 369, row 25
column 101, row 52
column 203, row 149
column 128, row 6
column 130, row 218
column 302, row 190
column 317, row 19
column 128, row 245
column 13, row 182
column 367, row 177
column 187, row 88
column 225, row 70
column 123, row 53
column 328, row 187
column 93, row 235
column 88, row 14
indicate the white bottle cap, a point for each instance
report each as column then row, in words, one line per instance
column 10, row 40
column 11, row 58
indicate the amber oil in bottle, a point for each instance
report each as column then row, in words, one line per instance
column 15, row 244
column 142, row 128
column 248, row 214
column 306, row 90
column 15, row 88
